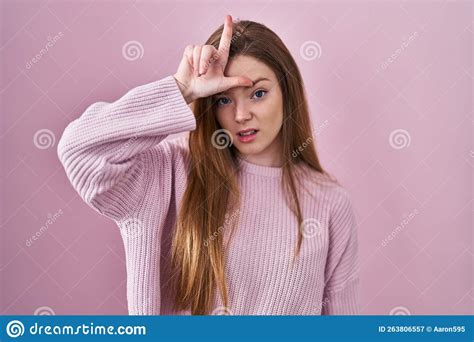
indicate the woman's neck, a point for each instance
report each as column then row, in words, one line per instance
column 271, row 156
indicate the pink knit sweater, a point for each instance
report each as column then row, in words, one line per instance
column 116, row 157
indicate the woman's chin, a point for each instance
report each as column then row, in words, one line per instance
column 248, row 149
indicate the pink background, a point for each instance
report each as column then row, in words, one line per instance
column 360, row 96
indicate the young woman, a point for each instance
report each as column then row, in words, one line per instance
column 236, row 217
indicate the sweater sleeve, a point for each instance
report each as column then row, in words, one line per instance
column 103, row 151
column 341, row 292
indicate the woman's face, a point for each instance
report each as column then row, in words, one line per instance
column 259, row 107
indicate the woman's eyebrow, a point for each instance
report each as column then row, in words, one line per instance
column 260, row 79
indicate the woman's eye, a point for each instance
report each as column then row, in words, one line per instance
column 260, row 93
column 222, row 101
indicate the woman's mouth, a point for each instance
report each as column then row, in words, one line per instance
column 247, row 135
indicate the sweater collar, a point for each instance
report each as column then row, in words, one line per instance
column 260, row 170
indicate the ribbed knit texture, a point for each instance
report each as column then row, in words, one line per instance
column 116, row 157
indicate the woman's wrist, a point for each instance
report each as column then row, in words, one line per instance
column 188, row 97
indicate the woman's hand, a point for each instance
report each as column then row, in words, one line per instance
column 201, row 70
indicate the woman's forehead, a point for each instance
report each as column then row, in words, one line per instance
column 249, row 67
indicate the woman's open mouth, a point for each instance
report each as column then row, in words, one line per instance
column 247, row 135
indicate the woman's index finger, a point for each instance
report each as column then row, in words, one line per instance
column 226, row 37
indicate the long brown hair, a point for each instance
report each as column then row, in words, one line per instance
column 212, row 190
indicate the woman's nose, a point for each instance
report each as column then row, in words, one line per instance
column 242, row 112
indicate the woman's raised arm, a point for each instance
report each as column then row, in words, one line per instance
column 103, row 151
